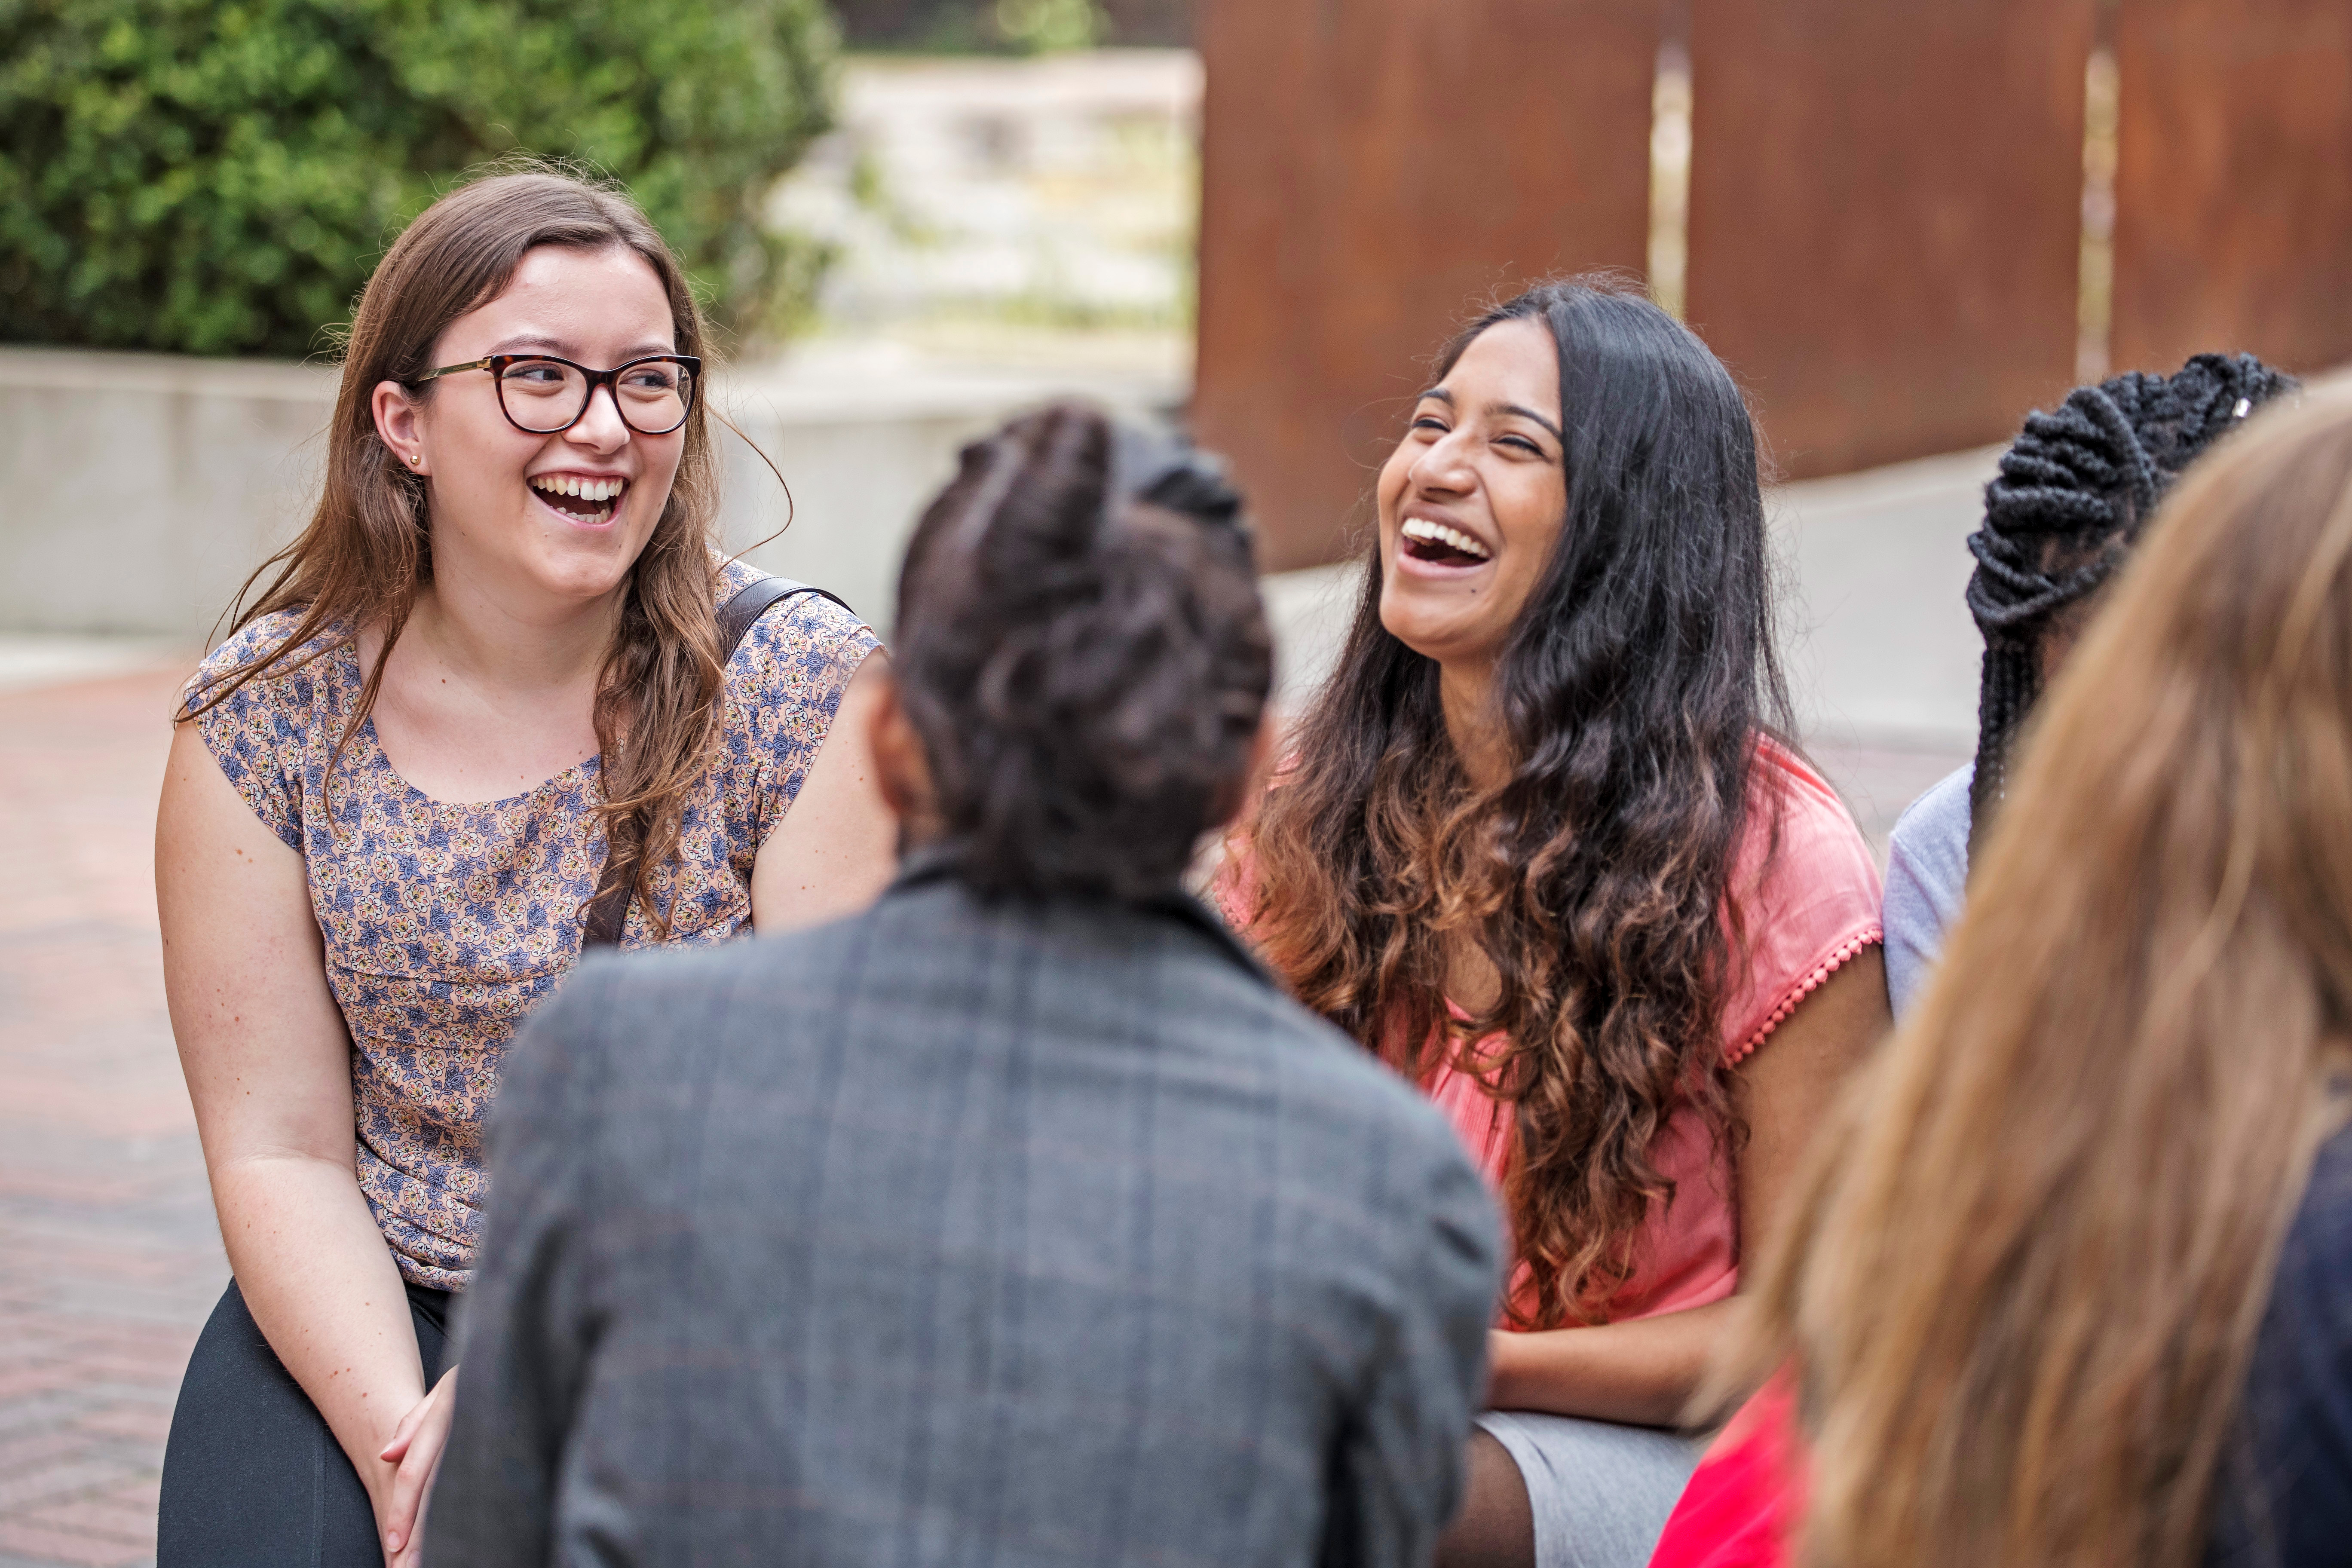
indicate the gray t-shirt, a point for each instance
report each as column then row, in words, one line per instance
column 1926, row 881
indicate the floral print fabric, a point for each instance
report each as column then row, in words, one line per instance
column 444, row 923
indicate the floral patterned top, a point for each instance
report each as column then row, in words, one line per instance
column 444, row 923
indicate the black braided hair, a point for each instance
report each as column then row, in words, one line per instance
column 2074, row 492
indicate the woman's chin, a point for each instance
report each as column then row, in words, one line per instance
column 1434, row 627
column 581, row 564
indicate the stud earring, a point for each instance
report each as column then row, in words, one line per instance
column 416, row 456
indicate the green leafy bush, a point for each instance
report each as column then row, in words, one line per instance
column 1014, row 27
column 219, row 176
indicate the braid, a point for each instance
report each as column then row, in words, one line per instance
column 2010, row 682
column 2073, row 494
column 2210, row 396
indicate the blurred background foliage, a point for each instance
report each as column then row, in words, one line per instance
column 219, row 178
column 1014, row 27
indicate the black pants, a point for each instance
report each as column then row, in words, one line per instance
column 252, row 1476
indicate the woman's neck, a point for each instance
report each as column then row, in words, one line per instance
column 1466, row 692
column 494, row 644
column 482, row 700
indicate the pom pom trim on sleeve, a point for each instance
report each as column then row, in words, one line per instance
column 1869, row 936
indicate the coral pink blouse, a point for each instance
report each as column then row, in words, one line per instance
column 1808, row 903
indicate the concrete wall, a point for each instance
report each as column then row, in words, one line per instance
column 863, row 442
column 141, row 489
column 1875, row 621
column 137, row 490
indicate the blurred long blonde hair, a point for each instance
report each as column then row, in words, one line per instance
column 2022, row 1280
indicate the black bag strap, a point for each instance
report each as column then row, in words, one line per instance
column 608, row 911
column 755, row 599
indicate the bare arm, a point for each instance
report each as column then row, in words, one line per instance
column 838, row 847
column 268, row 1067
column 1644, row 1371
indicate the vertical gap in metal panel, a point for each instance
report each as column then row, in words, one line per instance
column 1670, row 172
column 2094, row 310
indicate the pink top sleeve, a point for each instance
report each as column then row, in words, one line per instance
column 1807, row 899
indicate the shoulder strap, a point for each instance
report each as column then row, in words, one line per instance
column 608, row 911
column 755, row 599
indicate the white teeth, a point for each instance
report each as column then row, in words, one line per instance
column 586, row 489
column 572, row 484
column 1430, row 532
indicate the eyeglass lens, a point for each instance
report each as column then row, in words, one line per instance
column 543, row 395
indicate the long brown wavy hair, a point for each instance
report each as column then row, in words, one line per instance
column 1632, row 691
column 369, row 544
column 2022, row 1277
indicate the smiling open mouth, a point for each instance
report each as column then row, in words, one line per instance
column 588, row 500
column 1441, row 545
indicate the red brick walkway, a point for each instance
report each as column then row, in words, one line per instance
column 109, row 1258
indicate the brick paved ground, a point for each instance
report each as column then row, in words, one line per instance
column 109, row 1258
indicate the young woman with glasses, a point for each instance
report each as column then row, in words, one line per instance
column 486, row 690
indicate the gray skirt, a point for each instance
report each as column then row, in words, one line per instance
column 1600, row 1493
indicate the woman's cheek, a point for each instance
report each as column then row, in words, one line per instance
column 1526, row 522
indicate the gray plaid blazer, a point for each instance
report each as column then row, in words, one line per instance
column 958, row 1232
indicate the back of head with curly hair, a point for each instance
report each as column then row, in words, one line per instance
column 1082, row 651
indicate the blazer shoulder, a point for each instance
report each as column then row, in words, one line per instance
column 662, row 1003
column 1334, row 1069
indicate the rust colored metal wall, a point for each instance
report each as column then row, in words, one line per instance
column 1371, row 169
column 2233, row 188
column 1885, row 216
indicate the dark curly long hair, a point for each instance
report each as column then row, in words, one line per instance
column 2074, row 491
column 1633, row 692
